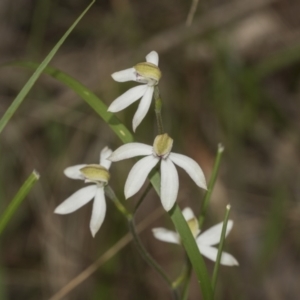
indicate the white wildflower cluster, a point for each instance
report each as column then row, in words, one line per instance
column 97, row 175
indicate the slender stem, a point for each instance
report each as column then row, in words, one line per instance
column 186, row 286
column 217, row 264
column 158, row 106
column 121, row 208
column 183, row 277
column 211, row 185
column 192, row 12
column 149, row 187
column 143, row 252
column 148, row 258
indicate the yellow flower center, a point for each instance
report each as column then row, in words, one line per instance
column 149, row 72
column 95, row 173
column 162, row 145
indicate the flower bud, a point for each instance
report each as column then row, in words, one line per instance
column 95, row 173
column 148, row 73
column 162, row 145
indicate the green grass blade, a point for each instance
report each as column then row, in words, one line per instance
column 124, row 134
column 17, row 200
column 192, row 250
column 91, row 99
column 221, row 245
column 29, row 84
column 211, row 185
column 189, row 244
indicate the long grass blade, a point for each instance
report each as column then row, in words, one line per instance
column 29, row 84
column 17, row 200
column 88, row 96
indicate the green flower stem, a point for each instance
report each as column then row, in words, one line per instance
column 149, row 187
column 17, row 200
column 211, row 185
column 158, row 106
column 143, row 252
column 186, row 286
column 221, row 245
column 121, row 208
column 148, row 258
column 184, row 276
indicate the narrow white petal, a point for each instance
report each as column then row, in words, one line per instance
column 99, row 210
column 143, row 108
column 191, row 167
column 212, row 235
column 124, row 75
column 188, row 213
column 138, row 175
column 211, row 253
column 76, row 200
column 130, row 150
column 152, row 57
column 166, row 235
column 74, row 172
column 169, row 184
column 128, row 98
column 104, row 154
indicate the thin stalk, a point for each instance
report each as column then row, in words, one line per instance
column 221, row 245
column 143, row 252
column 149, row 187
column 148, row 258
column 184, row 276
column 158, row 106
column 185, row 292
column 211, row 185
column 121, row 208
column 17, row 200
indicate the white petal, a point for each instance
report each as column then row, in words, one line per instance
column 124, row 75
column 128, row 98
column 76, row 200
column 211, row 253
column 166, row 235
column 99, row 210
column 212, row 235
column 169, row 184
column 130, row 150
column 188, row 214
column 74, row 172
column 138, row 175
column 191, row 167
column 152, row 57
column 143, row 108
column 105, row 153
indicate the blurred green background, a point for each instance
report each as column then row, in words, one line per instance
column 233, row 77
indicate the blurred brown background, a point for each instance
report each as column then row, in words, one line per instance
column 233, row 77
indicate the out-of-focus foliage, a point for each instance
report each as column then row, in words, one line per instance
column 232, row 77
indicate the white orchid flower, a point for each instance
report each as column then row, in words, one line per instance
column 205, row 240
column 160, row 151
column 147, row 73
column 99, row 176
